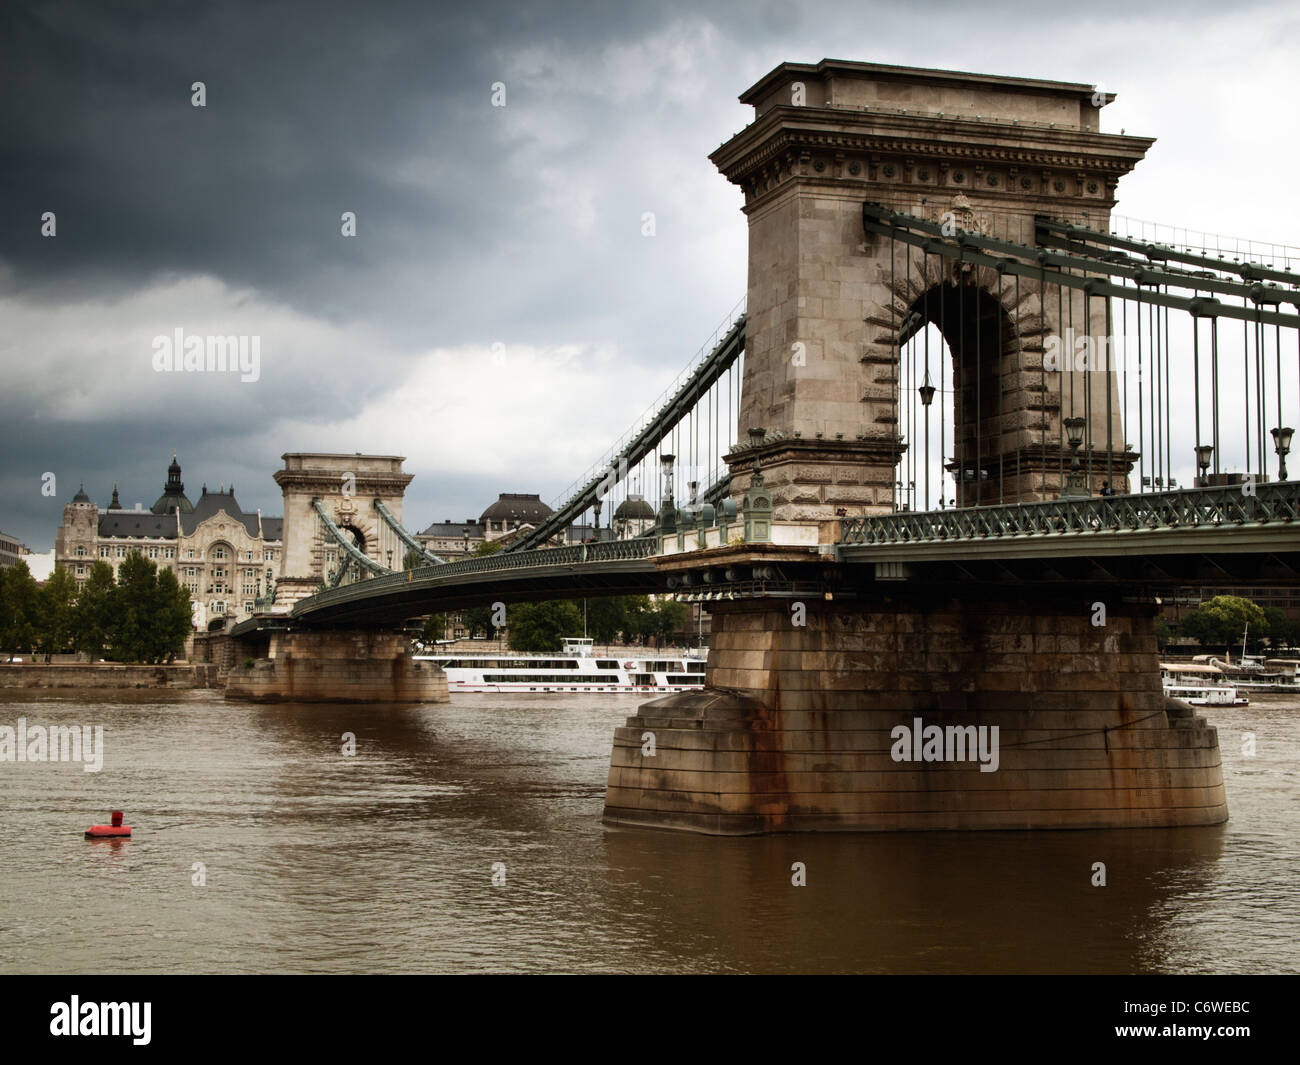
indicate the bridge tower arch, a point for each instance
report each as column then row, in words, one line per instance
column 828, row 303
column 344, row 488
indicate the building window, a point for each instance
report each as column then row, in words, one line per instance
column 105, row 552
column 218, row 553
column 81, row 570
column 171, row 552
column 248, row 607
column 218, row 607
column 189, row 553
column 153, row 552
column 81, row 552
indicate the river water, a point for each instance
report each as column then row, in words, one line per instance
column 383, row 861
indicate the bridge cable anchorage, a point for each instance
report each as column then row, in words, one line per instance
column 341, row 572
column 349, row 548
column 644, row 440
column 406, row 538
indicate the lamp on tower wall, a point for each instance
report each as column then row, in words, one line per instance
column 757, row 501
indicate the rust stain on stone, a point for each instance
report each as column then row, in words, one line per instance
column 769, row 786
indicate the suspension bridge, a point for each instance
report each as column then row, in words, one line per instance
column 976, row 406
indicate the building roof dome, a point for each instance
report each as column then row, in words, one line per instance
column 173, row 497
column 634, row 508
column 513, row 506
column 81, row 496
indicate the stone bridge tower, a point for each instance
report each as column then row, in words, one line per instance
column 829, row 306
column 346, row 487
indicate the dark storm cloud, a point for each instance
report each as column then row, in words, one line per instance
column 311, row 110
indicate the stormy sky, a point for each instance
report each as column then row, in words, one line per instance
column 518, row 226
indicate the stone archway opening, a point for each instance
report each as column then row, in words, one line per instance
column 960, row 349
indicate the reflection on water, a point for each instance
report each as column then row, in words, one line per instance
column 383, row 861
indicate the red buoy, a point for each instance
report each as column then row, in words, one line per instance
column 116, row 830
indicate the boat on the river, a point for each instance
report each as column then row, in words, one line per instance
column 1256, row 674
column 1199, row 684
column 575, row 668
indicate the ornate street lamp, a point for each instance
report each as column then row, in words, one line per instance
column 1077, row 486
column 667, row 512
column 1204, row 456
column 1282, row 445
column 598, row 503
column 927, row 397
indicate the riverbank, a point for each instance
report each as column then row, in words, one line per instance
column 107, row 675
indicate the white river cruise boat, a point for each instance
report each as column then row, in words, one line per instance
column 1199, row 685
column 575, row 668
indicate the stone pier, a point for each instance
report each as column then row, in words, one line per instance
column 336, row 666
column 795, row 730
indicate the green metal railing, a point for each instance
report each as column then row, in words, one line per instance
column 1190, row 508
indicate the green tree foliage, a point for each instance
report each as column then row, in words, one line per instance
column 668, row 617
column 434, row 629
column 478, row 621
column 19, row 608
column 175, row 617
column 638, row 618
column 487, row 547
column 1282, row 631
column 413, row 560
column 56, row 613
column 144, row 617
column 1163, row 633
column 133, row 602
column 152, row 612
column 1220, row 621
column 94, row 618
column 541, row 626
column 607, row 618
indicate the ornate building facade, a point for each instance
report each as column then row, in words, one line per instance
column 226, row 556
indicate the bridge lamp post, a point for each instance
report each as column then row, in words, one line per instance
column 1204, row 455
column 927, row 397
column 1076, row 486
column 667, row 510
column 1282, row 445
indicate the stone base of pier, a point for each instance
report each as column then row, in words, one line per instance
column 798, row 728
column 337, row 667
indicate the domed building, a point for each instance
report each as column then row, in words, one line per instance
column 173, row 499
column 633, row 517
column 512, row 514
column 512, row 511
column 225, row 555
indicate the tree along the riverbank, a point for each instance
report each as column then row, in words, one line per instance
column 1222, row 621
column 142, row 616
column 634, row 618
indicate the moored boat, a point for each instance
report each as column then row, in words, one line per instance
column 1199, row 684
column 575, row 668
